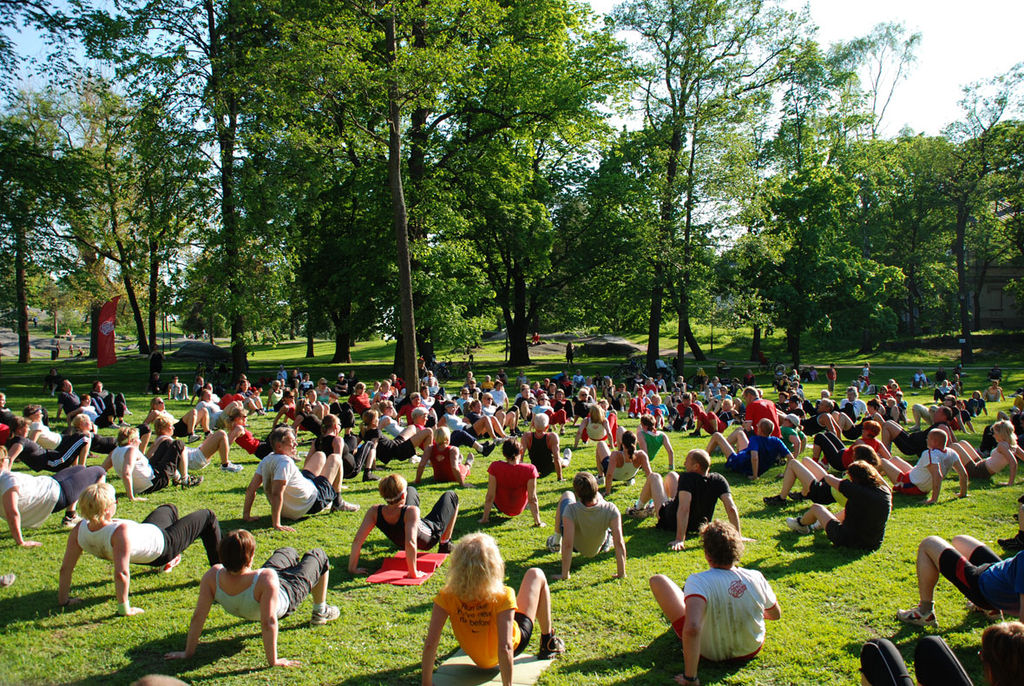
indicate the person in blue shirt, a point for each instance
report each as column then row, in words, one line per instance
column 762, row 453
column 993, row 585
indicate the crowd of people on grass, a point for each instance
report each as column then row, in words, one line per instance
column 846, row 457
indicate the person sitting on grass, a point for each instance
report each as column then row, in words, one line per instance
column 623, row 465
column 792, row 433
column 542, row 447
column 182, row 428
column 862, row 522
column 353, row 459
column 140, row 474
column 399, row 519
column 990, row 583
column 445, row 460
column 588, row 524
column 694, row 494
column 158, row 541
column 402, row 447
column 1005, row 454
column 1016, row 542
column 650, row 440
column 72, row 450
column 811, row 475
column 215, row 444
column 27, row 501
column 1001, row 655
column 264, row 595
column 720, row 613
column 293, row 493
column 929, row 472
column 491, row 622
column 915, row 442
column 511, row 485
column 762, row 453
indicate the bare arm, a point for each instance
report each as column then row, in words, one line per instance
column 933, row 469
column 732, row 512
column 553, row 446
column 692, row 629
column 122, row 574
column 250, row 496
column 207, row 591
column 269, row 599
column 13, row 516
column 492, row 487
column 276, row 497
column 505, row 646
column 438, row 618
column 682, row 519
column 568, row 538
column 962, row 473
column 126, row 475
column 620, row 548
column 369, row 521
column 531, row 501
column 72, row 552
column 423, row 462
column 412, row 522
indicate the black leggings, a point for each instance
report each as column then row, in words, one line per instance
column 73, row 481
column 934, row 664
column 180, row 533
column 831, row 448
column 438, row 519
column 297, row 577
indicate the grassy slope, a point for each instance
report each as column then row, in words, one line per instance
column 832, row 600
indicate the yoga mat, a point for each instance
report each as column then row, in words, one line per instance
column 394, row 570
column 459, row 670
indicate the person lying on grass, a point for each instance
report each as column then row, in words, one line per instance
column 491, row 622
column 990, row 583
column 720, row 613
column 27, row 501
column 930, row 470
column 512, row 484
column 861, row 523
column 293, row 493
column 588, row 524
column 1005, row 454
column 264, row 595
column 399, row 519
column 695, row 493
column 158, row 541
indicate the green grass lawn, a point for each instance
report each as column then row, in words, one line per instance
column 832, row 600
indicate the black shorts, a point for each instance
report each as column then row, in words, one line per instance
column 912, row 444
column 297, row 577
column 353, row 461
column 978, row 470
column 398, row 449
column 964, row 573
column 525, row 632
column 820, row 492
column 180, row 430
column 325, row 493
column 854, row 432
column 437, row 520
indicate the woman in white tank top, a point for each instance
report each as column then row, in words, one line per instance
column 262, row 595
column 157, row 541
column 131, row 464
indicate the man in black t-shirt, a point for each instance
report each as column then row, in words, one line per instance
column 695, row 493
column 68, row 400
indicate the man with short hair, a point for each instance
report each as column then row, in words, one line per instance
column 691, row 505
column 587, row 523
column 293, row 493
column 721, row 613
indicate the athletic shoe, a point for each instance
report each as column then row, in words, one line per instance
column 566, row 457
column 192, row 438
column 553, row 646
column 695, row 434
column 231, row 467
column 6, row 580
column 469, row 461
column 189, row 481
column 172, row 564
column 794, row 524
column 991, row 614
column 797, row 497
column 774, row 500
column 638, row 512
column 444, row 547
column 914, row 616
column 1013, row 543
column 600, row 479
column 70, row 520
column 340, row 505
column 368, row 475
column 329, row 614
column 415, row 459
column 555, row 543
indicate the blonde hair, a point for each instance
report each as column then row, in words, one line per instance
column 79, row 422
column 442, row 436
column 127, row 434
column 596, row 413
column 153, row 402
column 233, row 411
column 96, row 500
column 163, row 423
column 1004, row 429
column 476, row 571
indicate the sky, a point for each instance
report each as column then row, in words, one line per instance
column 961, row 42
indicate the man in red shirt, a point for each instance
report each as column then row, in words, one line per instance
column 757, row 409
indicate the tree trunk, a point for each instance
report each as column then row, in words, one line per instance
column 154, row 276
column 793, row 345
column 755, row 345
column 342, row 337
column 94, row 329
column 133, row 302
column 21, row 288
column 654, row 319
column 962, row 215
column 310, row 352
column 224, row 106
column 866, row 344
column 401, row 220
column 517, row 319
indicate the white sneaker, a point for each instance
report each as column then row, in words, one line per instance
column 794, row 524
column 231, row 467
column 555, row 543
column 566, row 457
column 415, row 459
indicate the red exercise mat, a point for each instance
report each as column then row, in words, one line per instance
column 394, row 570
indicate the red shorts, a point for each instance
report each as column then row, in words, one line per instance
column 905, row 486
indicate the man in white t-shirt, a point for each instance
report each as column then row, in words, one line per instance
column 721, row 614
column 931, row 468
column 295, row 493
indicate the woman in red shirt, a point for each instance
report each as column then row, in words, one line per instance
column 444, row 459
column 512, row 484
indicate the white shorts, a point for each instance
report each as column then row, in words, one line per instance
column 196, row 459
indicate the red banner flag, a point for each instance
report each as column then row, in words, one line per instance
column 105, row 354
